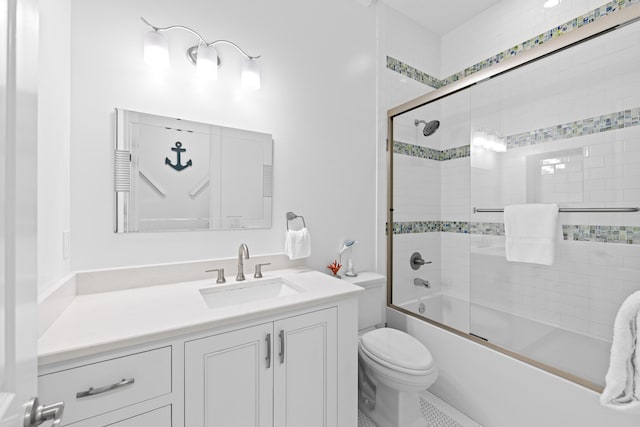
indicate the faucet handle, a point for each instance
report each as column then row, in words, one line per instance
column 220, row 278
column 258, row 272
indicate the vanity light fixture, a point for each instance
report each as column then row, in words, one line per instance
column 203, row 56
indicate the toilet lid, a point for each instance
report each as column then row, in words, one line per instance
column 397, row 348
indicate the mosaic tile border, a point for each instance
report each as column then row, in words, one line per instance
column 411, row 227
column 487, row 228
column 431, row 153
column 606, row 122
column 413, row 73
column 583, row 233
column 602, row 233
column 553, row 33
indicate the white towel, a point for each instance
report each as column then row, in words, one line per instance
column 622, row 389
column 530, row 232
column 297, row 243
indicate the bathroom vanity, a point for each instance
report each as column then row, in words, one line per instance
column 279, row 351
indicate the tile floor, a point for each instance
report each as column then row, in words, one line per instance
column 436, row 412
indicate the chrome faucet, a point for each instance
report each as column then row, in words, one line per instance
column 243, row 251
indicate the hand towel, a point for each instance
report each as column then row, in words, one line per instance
column 530, row 232
column 297, row 243
column 622, row 389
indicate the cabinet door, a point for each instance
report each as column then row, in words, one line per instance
column 305, row 370
column 227, row 380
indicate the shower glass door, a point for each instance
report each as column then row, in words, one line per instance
column 431, row 209
column 563, row 129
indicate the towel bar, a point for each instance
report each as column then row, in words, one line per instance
column 477, row 210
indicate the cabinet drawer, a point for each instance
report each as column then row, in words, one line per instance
column 160, row 417
column 108, row 385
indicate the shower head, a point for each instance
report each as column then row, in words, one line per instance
column 429, row 127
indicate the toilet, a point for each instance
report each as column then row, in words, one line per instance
column 393, row 367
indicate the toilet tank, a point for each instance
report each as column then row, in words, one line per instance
column 372, row 302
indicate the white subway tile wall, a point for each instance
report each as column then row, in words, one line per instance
column 428, row 244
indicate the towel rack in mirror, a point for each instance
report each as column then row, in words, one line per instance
column 291, row 216
column 478, row 210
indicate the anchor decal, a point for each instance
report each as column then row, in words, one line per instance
column 179, row 150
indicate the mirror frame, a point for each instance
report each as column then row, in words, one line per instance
column 125, row 163
column 602, row 26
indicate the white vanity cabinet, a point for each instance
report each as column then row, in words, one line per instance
column 289, row 360
column 281, row 373
column 227, row 380
column 93, row 389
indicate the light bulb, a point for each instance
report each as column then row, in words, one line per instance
column 250, row 74
column 207, row 62
column 156, row 50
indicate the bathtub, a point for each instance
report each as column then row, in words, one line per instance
column 572, row 352
column 442, row 308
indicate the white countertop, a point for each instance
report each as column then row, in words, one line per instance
column 105, row 321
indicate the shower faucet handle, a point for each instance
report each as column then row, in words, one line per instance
column 416, row 261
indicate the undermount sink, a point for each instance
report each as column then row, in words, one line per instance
column 240, row 293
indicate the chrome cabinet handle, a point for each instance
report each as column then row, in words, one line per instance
column 281, row 354
column 93, row 391
column 268, row 358
column 36, row 414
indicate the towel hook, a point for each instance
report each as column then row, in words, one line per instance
column 291, row 216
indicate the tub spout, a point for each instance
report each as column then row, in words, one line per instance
column 421, row 282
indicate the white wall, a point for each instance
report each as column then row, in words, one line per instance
column 53, row 140
column 502, row 26
column 317, row 99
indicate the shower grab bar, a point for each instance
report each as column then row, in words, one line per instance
column 478, row 210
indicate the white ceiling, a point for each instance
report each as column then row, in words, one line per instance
column 440, row 16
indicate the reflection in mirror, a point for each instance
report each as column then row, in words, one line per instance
column 546, row 132
column 173, row 174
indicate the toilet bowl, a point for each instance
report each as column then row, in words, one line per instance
column 393, row 368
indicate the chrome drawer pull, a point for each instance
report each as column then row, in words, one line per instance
column 268, row 358
column 93, row 391
column 281, row 354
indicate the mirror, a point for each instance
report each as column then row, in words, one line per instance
column 177, row 175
